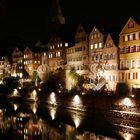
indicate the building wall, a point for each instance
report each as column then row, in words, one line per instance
column 129, row 44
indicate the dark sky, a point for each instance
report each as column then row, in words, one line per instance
column 32, row 19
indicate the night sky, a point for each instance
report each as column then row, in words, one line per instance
column 30, row 19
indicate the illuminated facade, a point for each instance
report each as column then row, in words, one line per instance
column 129, row 44
column 17, row 63
column 77, row 56
column 32, row 59
column 110, row 59
column 96, row 42
column 56, row 53
column 43, row 69
column 5, row 66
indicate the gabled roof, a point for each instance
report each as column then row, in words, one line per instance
column 109, row 39
column 95, row 29
column 128, row 29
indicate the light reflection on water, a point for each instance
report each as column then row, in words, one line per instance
column 32, row 121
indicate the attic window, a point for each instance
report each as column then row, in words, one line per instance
column 131, row 25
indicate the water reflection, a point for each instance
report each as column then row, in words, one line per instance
column 32, row 121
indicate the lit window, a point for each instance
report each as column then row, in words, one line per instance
column 131, row 75
column 58, row 45
column 66, row 44
column 131, row 36
column 91, row 46
column 96, row 45
column 58, row 54
column 126, row 38
column 91, row 36
column 44, row 54
column 53, row 46
column 35, row 61
column 100, row 45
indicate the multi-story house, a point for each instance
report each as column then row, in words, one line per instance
column 5, row 66
column 43, row 70
column 110, row 60
column 56, row 53
column 32, row 59
column 96, row 43
column 129, row 44
column 77, row 56
column 17, row 63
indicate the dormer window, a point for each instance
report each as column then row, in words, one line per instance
column 131, row 25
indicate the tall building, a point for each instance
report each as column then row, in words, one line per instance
column 17, row 63
column 32, row 59
column 111, row 61
column 77, row 56
column 56, row 53
column 96, row 43
column 129, row 44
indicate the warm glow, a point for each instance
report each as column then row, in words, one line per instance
column 76, row 120
column 15, row 107
column 34, row 95
column 127, row 136
column 76, row 100
column 52, row 98
column 34, row 108
column 127, row 102
column 15, row 92
column 53, row 113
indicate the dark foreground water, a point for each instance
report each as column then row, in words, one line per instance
column 33, row 121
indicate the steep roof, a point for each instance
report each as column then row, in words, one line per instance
column 130, row 26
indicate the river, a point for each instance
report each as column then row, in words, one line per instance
column 38, row 121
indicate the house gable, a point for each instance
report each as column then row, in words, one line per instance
column 130, row 26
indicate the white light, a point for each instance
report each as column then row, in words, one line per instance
column 127, row 102
column 76, row 100
column 76, row 120
column 15, row 107
column 53, row 113
column 34, row 95
column 52, row 98
column 34, row 108
column 15, row 93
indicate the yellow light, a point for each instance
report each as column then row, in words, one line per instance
column 34, row 95
column 53, row 113
column 15, row 107
column 15, row 93
column 127, row 102
column 76, row 120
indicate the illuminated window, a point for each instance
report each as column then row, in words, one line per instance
column 131, row 75
column 100, row 45
column 50, row 47
column 66, row 44
column 58, row 45
column 91, row 36
column 44, row 54
column 96, row 45
column 126, row 38
column 131, row 37
column 91, row 46
column 139, row 75
column 53, row 46
column 58, row 54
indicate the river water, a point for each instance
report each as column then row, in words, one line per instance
column 36, row 121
